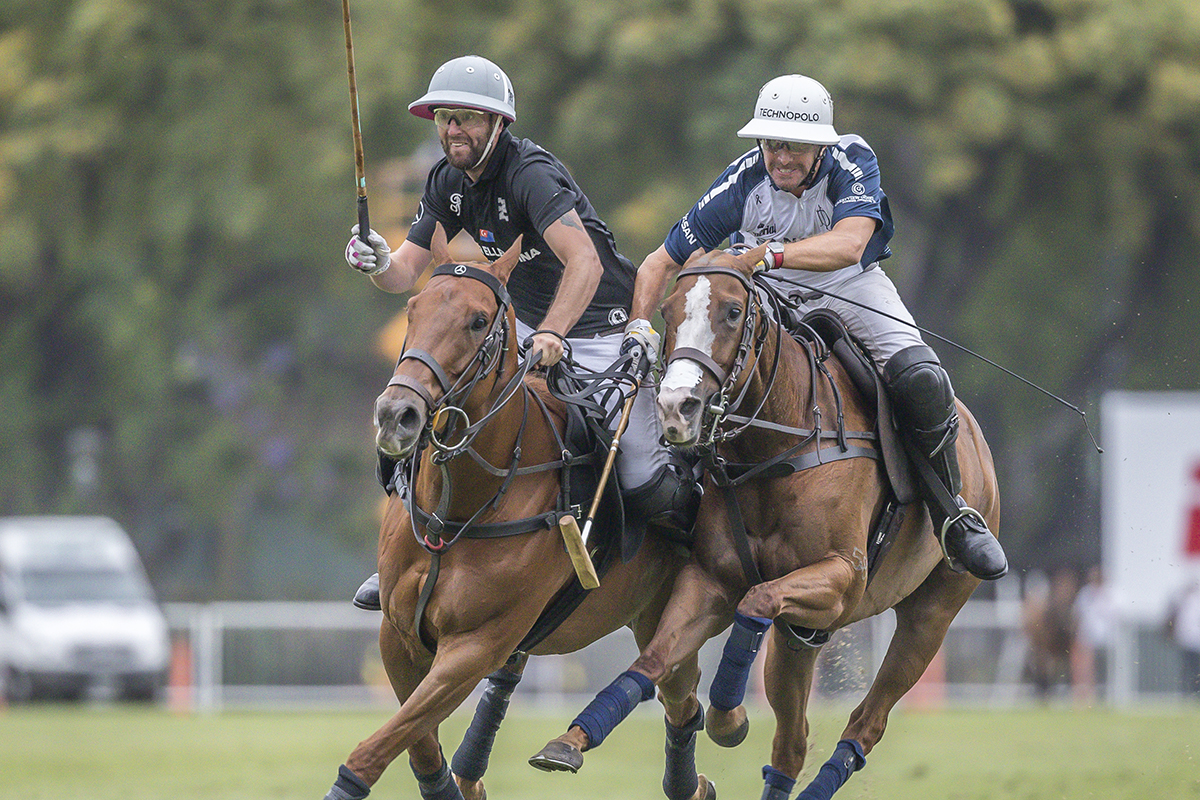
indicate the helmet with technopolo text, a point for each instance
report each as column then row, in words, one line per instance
column 792, row 108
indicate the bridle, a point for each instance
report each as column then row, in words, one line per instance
column 489, row 357
column 433, row 530
column 754, row 337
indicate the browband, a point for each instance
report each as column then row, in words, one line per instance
column 481, row 275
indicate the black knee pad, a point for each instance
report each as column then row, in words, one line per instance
column 919, row 388
column 669, row 499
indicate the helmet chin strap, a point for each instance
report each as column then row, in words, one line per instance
column 812, row 171
column 487, row 151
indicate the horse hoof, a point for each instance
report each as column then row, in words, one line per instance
column 558, row 757
column 722, row 735
column 707, row 789
column 471, row 790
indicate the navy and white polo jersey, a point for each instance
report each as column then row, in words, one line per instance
column 521, row 192
column 743, row 205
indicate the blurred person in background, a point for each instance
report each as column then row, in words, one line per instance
column 1183, row 621
column 1048, row 618
column 1095, row 624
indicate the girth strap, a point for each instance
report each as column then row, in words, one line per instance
column 790, row 466
column 489, row 530
column 729, row 476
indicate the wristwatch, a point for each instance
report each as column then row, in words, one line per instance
column 775, row 251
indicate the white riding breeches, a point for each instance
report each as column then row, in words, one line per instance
column 640, row 455
column 882, row 336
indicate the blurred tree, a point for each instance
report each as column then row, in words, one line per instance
column 172, row 274
column 176, row 187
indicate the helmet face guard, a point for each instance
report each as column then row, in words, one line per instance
column 468, row 82
column 792, row 108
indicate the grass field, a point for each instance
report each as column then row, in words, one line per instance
column 71, row 753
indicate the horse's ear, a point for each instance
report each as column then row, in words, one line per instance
column 696, row 255
column 439, row 247
column 502, row 267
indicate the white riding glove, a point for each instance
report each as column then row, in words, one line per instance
column 640, row 334
column 371, row 257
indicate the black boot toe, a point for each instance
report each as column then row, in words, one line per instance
column 367, row 596
column 971, row 546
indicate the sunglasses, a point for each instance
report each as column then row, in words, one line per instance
column 775, row 145
column 465, row 117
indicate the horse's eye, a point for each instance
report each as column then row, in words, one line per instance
column 735, row 313
column 479, row 322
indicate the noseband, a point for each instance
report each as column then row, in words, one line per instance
column 489, row 356
column 753, row 338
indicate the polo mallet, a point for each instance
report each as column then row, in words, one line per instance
column 573, row 538
column 360, row 171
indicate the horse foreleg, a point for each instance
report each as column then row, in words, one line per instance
column 698, row 609
column 787, row 681
column 684, row 717
column 814, row 597
column 471, row 758
column 922, row 620
column 461, row 662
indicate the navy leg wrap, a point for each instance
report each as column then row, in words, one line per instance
column 847, row 759
column 729, row 684
column 680, row 779
column 613, row 704
column 776, row 785
column 471, row 757
column 348, row 786
column 438, row 786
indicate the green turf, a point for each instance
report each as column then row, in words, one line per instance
column 1037, row 754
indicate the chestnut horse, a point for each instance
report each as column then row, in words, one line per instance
column 782, row 534
column 483, row 440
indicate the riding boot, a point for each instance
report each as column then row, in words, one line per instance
column 670, row 500
column 923, row 398
column 367, row 596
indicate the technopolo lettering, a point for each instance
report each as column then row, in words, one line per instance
column 788, row 114
column 856, row 198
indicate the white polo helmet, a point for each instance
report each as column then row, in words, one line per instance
column 468, row 82
column 794, row 108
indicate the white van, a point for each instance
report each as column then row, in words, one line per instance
column 77, row 615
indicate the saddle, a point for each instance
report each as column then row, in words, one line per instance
column 826, row 331
column 825, row 328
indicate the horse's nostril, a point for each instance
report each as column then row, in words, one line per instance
column 689, row 407
column 409, row 419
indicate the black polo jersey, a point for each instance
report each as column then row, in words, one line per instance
column 523, row 190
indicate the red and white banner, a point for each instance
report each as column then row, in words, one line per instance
column 1151, row 497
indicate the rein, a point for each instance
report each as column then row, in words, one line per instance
column 439, row 532
column 729, row 475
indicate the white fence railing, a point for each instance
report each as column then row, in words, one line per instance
column 315, row 654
